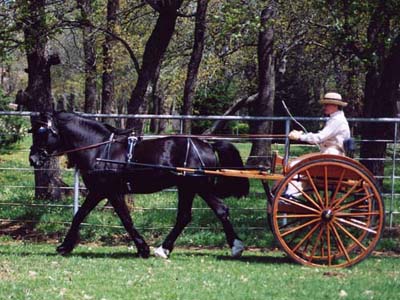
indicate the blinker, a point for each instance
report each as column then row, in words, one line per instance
column 42, row 130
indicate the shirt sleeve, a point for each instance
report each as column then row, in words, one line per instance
column 317, row 138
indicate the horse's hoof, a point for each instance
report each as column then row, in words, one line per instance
column 64, row 250
column 144, row 253
column 237, row 249
column 161, row 252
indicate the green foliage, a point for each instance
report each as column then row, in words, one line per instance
column 239, row 127
column 213, row 99
column 12, row 129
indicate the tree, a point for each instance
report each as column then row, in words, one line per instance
column 367, row 35
column 89, row 53
column 381, row 82
column 37, row 96
column 264, row 104
column 195, row 60
column 154, row 51
column 107, row 95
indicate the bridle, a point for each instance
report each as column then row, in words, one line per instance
column 48, row 126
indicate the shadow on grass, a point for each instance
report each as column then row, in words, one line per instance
column 261, row 259
column 258, row 259
column 265, row 258
column 81, row 254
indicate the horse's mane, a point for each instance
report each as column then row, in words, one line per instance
column 63, row 118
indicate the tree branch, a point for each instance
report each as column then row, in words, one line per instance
column 116, row 37
column 236, row 106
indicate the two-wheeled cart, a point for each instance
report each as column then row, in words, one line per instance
column 334, row 218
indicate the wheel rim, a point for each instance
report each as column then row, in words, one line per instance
column 335, row 221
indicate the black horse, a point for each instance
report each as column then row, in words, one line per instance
column 84, row 141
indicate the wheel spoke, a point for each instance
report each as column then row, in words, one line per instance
column 340, row 200
column 338, row 185
column 300, row 205
column 340, row 243
column 307, row 236
column 305, row 196
column 326, row 186
column 316, row 244
column 298, row 216
column 356, row 225
column 300, row 227
column 359, row 214
column 351, row 236
column 354, row 203
column 328, row 241
column 314, row 188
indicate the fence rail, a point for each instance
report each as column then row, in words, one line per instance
column 391, row 191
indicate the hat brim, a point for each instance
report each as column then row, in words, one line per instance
column 333, row 101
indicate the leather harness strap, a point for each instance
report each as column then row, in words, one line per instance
column 92, row 146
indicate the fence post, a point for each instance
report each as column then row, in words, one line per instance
column 393, row 175
column 181, row 125
column 76, row 191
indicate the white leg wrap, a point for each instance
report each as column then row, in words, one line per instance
column 237, row 249
column 161, row 252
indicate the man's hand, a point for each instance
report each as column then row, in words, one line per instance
column 13, row 106
column 295, row 134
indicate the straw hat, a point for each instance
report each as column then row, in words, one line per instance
column 333, row 98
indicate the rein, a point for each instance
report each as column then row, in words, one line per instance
column 92, row 146
column 111, row 141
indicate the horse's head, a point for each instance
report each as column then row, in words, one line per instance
column 46, row 139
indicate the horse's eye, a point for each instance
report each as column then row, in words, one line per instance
column 42, row 130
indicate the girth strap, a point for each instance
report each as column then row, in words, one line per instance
column 190, row 143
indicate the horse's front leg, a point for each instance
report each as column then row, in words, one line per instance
column 72, row 237
column 183, row 218
column 221, row 210
column 119, row 204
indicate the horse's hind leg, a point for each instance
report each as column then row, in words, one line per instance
column 221, row 210
column 71, row 239
column 119, row 204
column 184, row 216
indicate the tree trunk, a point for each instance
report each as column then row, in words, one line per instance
column 380, row 101
column 47, row 179
column 154, row 51
column 89, row 53
column 381, row 85
column 156, row 103
column 264, row 104
column 107, row 94
column 194, row 64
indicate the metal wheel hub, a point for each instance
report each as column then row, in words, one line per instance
column 327, row 215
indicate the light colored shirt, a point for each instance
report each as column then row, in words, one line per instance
column 331, row 137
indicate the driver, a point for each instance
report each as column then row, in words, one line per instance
column 330, row 139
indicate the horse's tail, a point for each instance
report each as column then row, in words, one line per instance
column 227, row 186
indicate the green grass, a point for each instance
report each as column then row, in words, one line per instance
column 33, row 271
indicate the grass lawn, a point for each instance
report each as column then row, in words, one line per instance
column 34, row 271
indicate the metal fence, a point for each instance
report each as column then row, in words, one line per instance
column 390, row 189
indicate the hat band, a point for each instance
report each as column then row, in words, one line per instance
column 333, row 99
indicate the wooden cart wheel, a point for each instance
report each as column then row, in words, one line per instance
column 334, row 218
